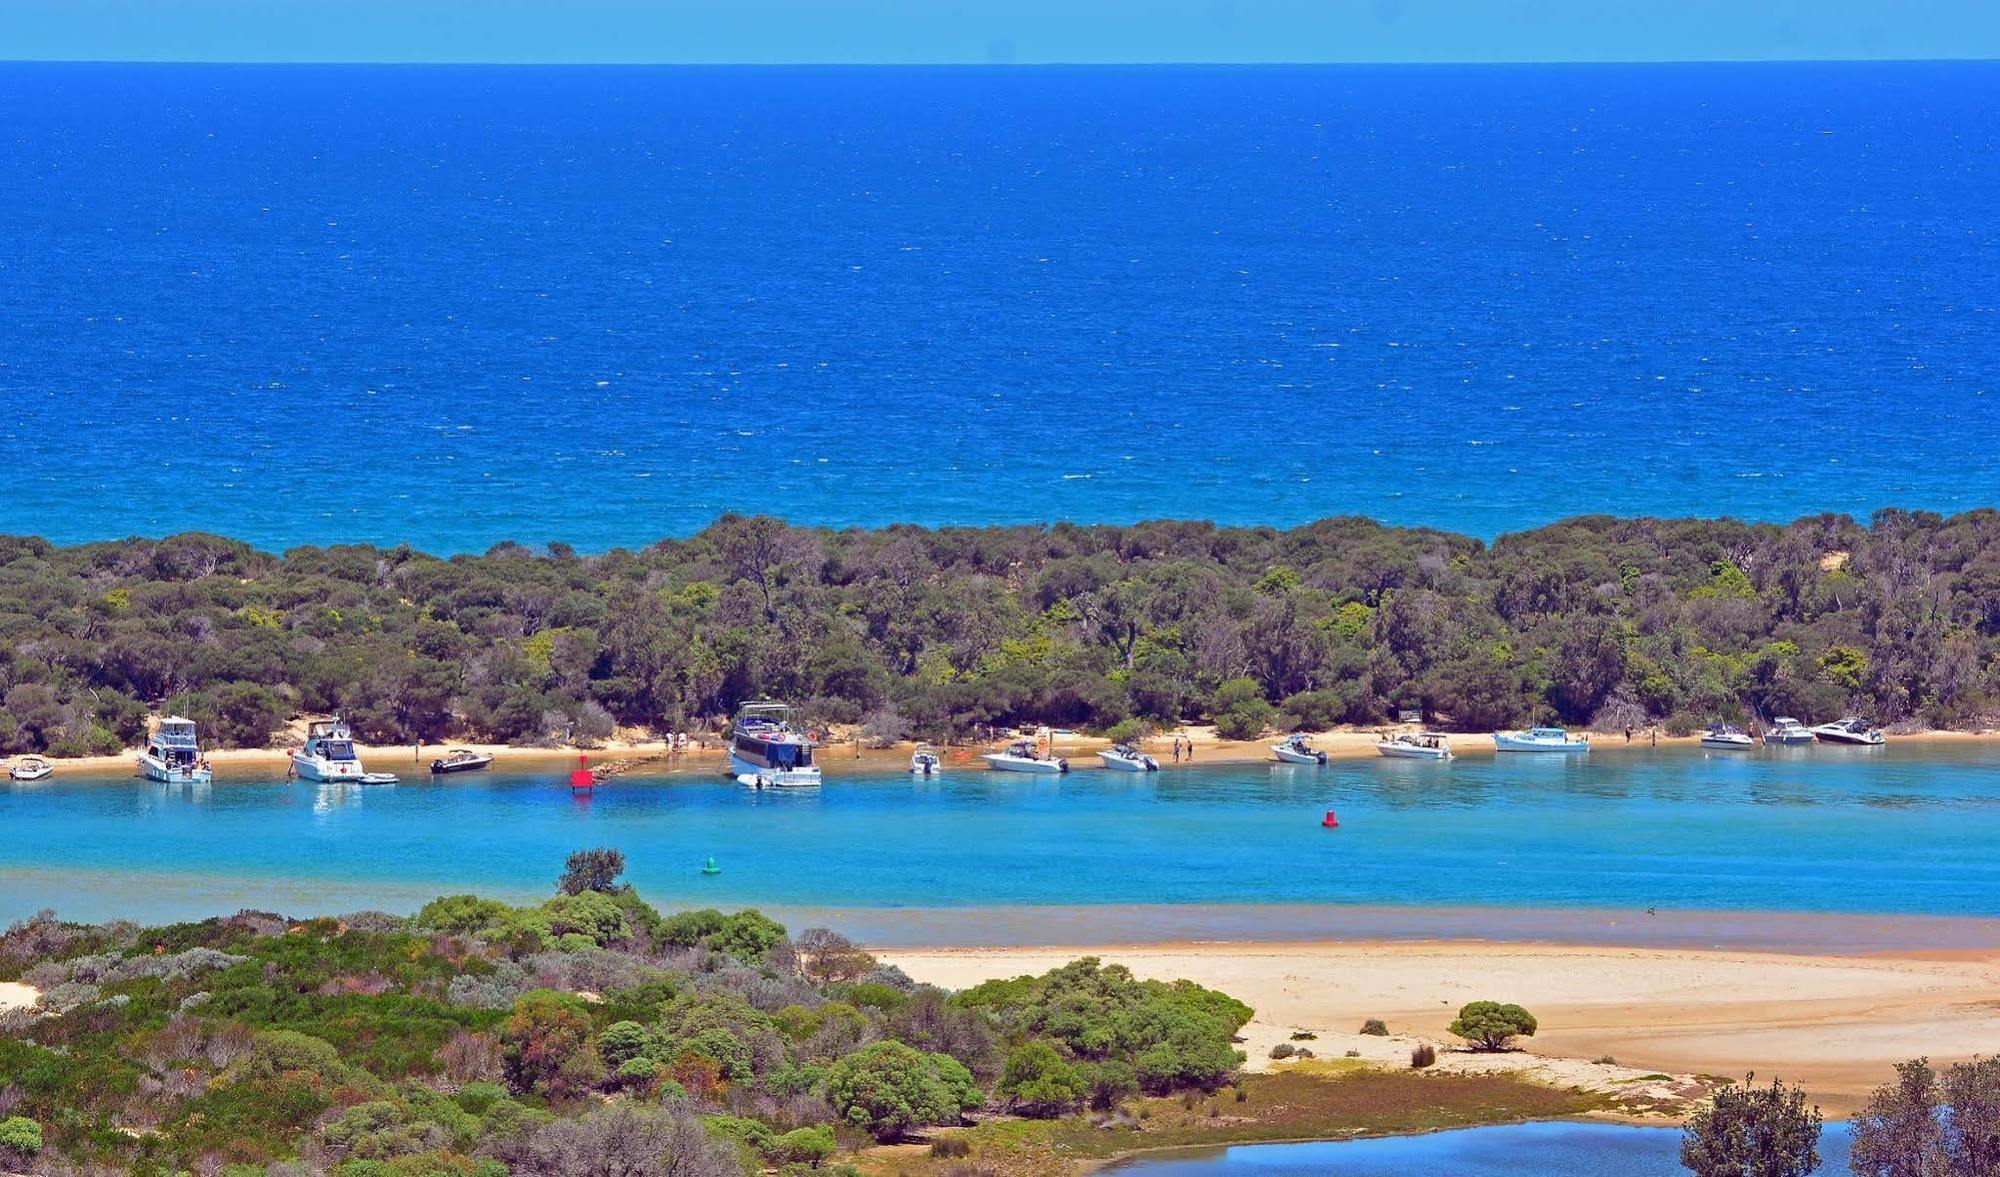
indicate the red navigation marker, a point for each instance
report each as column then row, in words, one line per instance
column 1329, row 821
column 581, row 777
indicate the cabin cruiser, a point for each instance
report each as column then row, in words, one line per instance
column 925, row 761
column 1298, row 750
column 460, row 760
column 328, row 754
column 30, row 768
column 1126, row 758
column 1849, row 731
column 767, row 749
column 1540, row 739
column 1786, row 730
column 1726, row 737
column 172, row 757
column 1022, row 756
column 1416, row 746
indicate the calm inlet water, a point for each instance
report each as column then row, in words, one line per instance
column 1900, row 830
column 1547, row 1150
column 602, row 306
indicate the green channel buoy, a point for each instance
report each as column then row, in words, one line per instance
column 709, row 867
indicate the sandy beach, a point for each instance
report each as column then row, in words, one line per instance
column 1835, row 1024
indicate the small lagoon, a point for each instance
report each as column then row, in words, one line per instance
column 1507, row 1150
column 1910, row 829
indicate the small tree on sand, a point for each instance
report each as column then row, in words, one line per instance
column 593, row 870
column 1753, row 1132
column 1491, row 1025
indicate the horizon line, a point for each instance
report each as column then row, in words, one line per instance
column 1257, row 63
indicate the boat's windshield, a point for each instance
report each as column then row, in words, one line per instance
column 337, row 749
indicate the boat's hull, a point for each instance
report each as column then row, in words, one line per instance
column 27, row 775
column 448, row 768
column 767, row 777
column 1287, row 755
column 1406, row 752
column 1848, row 739
column 1503, row 742
column 1719, row 744
column 311, row 768
column 166, row 774
column 1788, row 739
column 1002, row 763
column 1119, row 763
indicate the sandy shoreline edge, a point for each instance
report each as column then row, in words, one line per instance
column 837, row 755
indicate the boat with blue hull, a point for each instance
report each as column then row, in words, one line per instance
column 766, row 748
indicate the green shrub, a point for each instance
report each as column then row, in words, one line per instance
column 1039, row 1083
column 1492, row 1025
column 887, row 1088
column 804, row 1146
column 1283, row 1050
column 21, row 1134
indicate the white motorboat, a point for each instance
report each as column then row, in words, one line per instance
column 328, row 754
column 1849, row 731
column 764, row 743
column 1298, row 750
column 1126, row 758
column 30, row 768
column 173, row 756
column 1786, row 730
column 460, row 760
column 1540, row 739
column 1726, row 737
column 1022, row 756
column 1416, row 746
column 925, row 761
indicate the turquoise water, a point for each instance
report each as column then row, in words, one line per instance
column 1546, row 1150
column 1906, row 829
column 602, row 306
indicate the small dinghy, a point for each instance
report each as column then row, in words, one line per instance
column 1298, row 750
column 30, row 768
column 460, row 760
column 379, row 778
column 925, row 761
column 1126, row 758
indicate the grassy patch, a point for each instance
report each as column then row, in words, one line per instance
column 1318, row 1099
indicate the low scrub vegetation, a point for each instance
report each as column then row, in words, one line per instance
column 586, row 1034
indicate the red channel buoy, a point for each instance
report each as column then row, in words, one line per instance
column 1329, row 821
column 581, row 777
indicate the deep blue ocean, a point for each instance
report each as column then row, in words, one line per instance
column 451, row 306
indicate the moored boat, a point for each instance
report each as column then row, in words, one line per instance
column 1849, row 731
column 1126, row 758
column 1416, row 746
column 1298, row 750
column 768, row 749
column 173, row 755
column 926, row 761
column 1540, row 739
column 1786, row 730
column 460, row 760
column 328, row 753
column 1726, row 737
column 1022, row 756
column 30, row 768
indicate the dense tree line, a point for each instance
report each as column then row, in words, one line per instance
column 587, row 1035
column 947, row 631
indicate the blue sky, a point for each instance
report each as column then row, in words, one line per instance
column 903, row 31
